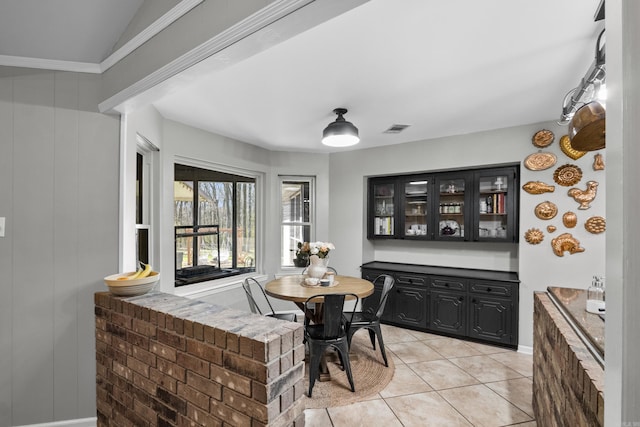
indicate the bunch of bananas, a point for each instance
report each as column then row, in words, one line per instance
column 139, row 274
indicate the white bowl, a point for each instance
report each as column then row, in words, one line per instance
column 132, row 287
column 311, row 281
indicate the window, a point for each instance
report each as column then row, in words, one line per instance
column 215, row 224
column 145, row 162
column 296, row 216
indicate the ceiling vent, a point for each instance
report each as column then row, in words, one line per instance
column 395, row 128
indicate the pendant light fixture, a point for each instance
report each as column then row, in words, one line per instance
column 340, row 133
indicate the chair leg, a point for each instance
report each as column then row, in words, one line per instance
column 372, row 337
column 378, row 332
column 343, row 351
column 315, row 354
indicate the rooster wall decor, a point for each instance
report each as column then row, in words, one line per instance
column 584, row 197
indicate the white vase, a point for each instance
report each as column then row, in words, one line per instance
column 317, row 267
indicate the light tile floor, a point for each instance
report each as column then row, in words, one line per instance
column 441, row 381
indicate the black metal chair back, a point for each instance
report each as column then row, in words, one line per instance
column 370, row 319
column 254, row 291
column 332, row 332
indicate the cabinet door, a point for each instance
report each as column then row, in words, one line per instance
column 452, row 212
column 495, row 200
column 415, row 208
column 491, row 319
column 448, row 312
column 410, row 305
column 382, row 208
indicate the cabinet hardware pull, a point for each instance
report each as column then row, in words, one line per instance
column 461, row 299
column 488, row 289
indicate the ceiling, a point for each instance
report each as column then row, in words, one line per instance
column 442, row 67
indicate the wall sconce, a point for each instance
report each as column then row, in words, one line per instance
column 340, row 133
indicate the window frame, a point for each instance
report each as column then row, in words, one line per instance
column 215, row 284
column 311, row 180
column 148, row 152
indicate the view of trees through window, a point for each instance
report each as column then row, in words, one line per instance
column 215, row 222
column 296, row 209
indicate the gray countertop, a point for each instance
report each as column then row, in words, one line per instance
column 573, row 302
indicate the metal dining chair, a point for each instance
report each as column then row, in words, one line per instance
column 254, row 291
column 332, row 332
column 370, row 319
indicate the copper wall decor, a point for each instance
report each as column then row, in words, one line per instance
column 566, row 243
column 538, row 187
column 598, row 162
column 569, row 219
column 543, row 138
column 533, row 236
column 595, row 225
column 551, row 228
column 567, row 175
column 572, row 153
column 546, row 210
column 584, row 197
column 540, row 161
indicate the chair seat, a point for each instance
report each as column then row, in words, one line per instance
column 291, row 317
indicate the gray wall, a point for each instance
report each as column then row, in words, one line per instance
column 59, row 194
column 348, row 183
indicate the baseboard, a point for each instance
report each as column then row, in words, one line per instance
column 80, row 422
column 525, row 349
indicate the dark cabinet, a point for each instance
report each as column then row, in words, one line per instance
column 448, row 309
column 466, row 303
column 466, row 205
column 410, row 301
column 492, row 312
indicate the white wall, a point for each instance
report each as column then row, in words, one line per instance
column 348, row 171
column 59, row 194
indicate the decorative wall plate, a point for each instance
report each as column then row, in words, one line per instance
column 533, row 236
column 543, row 138
column 565, row 146
column 567, row 175
column 569, row 219
column 584, row 197
column 538, row 187
column 551, row 228
column 540, row 161
column 598, row 162
column 566, row 242
column 595, row 224
column 546, row 210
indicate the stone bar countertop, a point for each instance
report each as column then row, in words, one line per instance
column 573, row 303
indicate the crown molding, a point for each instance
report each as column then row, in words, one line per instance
column 49, row 64
column 246, row 27
column 88, row 67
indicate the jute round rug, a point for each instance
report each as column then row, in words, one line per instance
column 370, row 376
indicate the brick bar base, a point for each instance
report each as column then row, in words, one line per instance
column 164, row 360
column 568, row 383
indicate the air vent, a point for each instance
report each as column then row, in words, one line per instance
column 395, row 128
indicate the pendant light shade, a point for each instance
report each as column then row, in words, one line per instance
column 340, row 133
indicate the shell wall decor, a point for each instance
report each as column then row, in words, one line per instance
column 584, row 197
column 566, row 243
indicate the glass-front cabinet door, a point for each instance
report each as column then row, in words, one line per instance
column 382, row 205
column 453, row 199
column 415, row 207
column 495, row 205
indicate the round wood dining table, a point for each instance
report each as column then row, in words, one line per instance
column 290, row 288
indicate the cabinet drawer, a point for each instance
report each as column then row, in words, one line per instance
column 450, row 283
column 371, row 275
column 492, row 288
column 405, row 279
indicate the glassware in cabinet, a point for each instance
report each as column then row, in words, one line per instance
column 416, row 207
